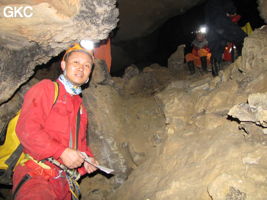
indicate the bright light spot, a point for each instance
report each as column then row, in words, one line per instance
column 87, row 44
column 203, row 29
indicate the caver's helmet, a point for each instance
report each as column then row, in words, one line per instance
column 85, row 46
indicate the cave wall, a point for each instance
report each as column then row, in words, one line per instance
column 209, row 153
column 175, row 30
column 263, row 9
column 54, row 25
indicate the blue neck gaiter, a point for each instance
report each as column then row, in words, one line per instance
column 70, row 88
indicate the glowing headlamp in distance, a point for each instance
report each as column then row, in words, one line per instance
column 203, row 29
column 87, row 44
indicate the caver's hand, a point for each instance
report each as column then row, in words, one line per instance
column 72, row 158
column 90, row 168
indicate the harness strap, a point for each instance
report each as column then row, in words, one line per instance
column 78, row 119
column 72, row 176
column 72, row 173
column 23, row 180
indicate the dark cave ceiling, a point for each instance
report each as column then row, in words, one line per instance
column 157, row 45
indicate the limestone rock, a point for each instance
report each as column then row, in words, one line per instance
column 130, row 72
column 200, row 165
column 100, row 74
column 9, row 109
column 219, row 100
column 230, row 187
column 254, row 111
column 209, row 121
column 202, row 84
column 258, row 84
column 101, row 101
column 206, row 155
column 262, row 8
column 53, row 26
column 176, row 60
column 153, row 79
column 254, row 52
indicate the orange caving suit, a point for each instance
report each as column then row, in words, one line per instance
column 199, row 49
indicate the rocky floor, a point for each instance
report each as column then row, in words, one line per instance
column 214, row 137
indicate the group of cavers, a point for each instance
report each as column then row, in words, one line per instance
column 221, row 40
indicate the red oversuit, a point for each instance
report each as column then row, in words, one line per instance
column 44, row 129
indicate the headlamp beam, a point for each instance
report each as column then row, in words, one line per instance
column 87, row 44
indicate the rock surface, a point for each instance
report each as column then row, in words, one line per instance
column 56, row 24
column 166, row 138
column 28, row 42
column 169, row 138
column 208, row 155
column 263, row 9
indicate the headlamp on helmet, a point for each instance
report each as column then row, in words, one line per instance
column 85, row 46
column 202, row 30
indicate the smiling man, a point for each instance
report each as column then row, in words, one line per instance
column 53, row 133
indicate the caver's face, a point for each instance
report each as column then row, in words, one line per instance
column 77, row 67
column 200, row 37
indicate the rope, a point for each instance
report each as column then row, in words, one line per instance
column 72, row 176
column 74, row 188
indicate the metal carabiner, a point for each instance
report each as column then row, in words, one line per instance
column 59, row 175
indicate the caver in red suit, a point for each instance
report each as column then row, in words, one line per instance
column 44, row 131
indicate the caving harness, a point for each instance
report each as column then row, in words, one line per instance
column 39, row 168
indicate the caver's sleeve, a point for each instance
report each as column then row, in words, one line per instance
column 37, row 104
